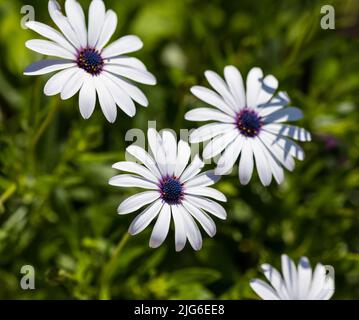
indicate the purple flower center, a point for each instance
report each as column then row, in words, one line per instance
column 249, row 123
column 171, row 190
column 90, row 60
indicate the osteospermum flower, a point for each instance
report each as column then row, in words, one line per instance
column 296, row 284
column 86, row 63
column 176, row 189
column 248, row 125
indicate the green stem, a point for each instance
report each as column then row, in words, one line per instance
column 50, row 115
column 109, row 268
column 7, row 194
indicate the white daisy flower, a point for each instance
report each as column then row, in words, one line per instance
column 248, row 124
column 86, row 64
column 176, row 189
column 296, row 284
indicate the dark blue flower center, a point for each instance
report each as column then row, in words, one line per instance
column 90, row 60
column 249, row 122
column 171, row 190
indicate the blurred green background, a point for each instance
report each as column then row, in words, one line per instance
column 58, row 213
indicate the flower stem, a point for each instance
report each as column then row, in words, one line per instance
column 50, row 115
column 109, row 268
column 7, row 194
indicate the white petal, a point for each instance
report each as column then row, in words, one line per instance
column 281, row 98
column 246, row 162
column 207, row 114
column 206, row 192
column 265, row 110
column 87, row 97
column 97, row 12
column 289, row 146
column 193, row 169
column 160, row 230
column 254, row 84
column 49, row 48
column 145, row 158
column 275, row 280
column 328, row 289
column 229, row 156
column 203, row 218
column 135, row 93
column 281, row 155
column 145, row 218
column 236, row 86
column 122, row 46
column 293, row 132
column 127, row 62
column 56, row 83
column 219, row 143
column 170, row 148
column 268, row 88
column 204, row 179
column 121, row 98
column 107, row 102
column 283, row 115
column 318, row 282
column 210, row 130
column 304, row 278
column 265, row 291
column 183, row 155
column 278, row 102
column 193, row 234
column 221, row 87
column 264, row 171
column 137, row 75
column 274, row 164
column 51, row 34
column 128, row 180
column 63, row 23
column 76, row 18
column 180, row 232
column 290, row 276
column 136, row 168
column 157, row 149
column 208, row 205
column 108, row 29
column 73, row 85
column 213, row 99
column 137, row 201
column 47, row 66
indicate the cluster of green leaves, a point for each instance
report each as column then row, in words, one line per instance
column 58, row 213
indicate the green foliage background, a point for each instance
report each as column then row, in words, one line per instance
column 58, row 213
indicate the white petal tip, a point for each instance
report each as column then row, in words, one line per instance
column 131, row 231
column 85, row 116
column 121, row 213
column 187, row 117
column 179, row 249
column 266, row 184
column 304, row 262
column 111, row 120
column 265, row 267
column 154, row 244
column 193, row 89
column 229, row 67
column 244, row 182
